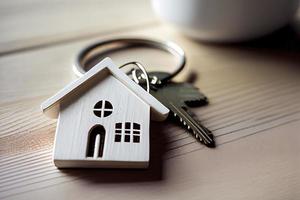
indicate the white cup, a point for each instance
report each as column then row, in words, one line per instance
column 226, row 20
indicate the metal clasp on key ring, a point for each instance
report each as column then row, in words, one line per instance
column 142, row 68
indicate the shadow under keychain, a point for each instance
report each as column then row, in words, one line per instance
column 104, row 115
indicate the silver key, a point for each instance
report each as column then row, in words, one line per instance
column 178, row 97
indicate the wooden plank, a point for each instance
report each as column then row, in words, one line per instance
column 253, row 112
column 53, row 22
column 229, row 171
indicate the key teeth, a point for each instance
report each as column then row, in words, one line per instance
column 191, row 131
column 200, row 139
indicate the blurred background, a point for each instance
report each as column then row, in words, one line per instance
column 244, row 55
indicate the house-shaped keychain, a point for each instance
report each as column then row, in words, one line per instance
column 103, row 120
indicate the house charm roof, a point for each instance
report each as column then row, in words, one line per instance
column 51, row 106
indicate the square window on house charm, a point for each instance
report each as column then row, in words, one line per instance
column 103, row 117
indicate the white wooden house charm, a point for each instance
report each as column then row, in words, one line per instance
column 103, row 120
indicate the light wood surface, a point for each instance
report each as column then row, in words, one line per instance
column 254, row 109
column 34, row 24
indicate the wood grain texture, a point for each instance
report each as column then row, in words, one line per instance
column 254, row 112
column 52, row 22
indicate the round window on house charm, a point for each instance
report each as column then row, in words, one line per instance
column 103, row 109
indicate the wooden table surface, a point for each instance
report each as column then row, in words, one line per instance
column 254, row 110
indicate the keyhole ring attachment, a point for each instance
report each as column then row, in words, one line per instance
column 142, row 68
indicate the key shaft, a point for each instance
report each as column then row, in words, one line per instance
column 200, row 131
column 178, row 97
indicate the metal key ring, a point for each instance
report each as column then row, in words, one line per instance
column 97, row 49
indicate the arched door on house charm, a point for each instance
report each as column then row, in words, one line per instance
column 96, row 140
